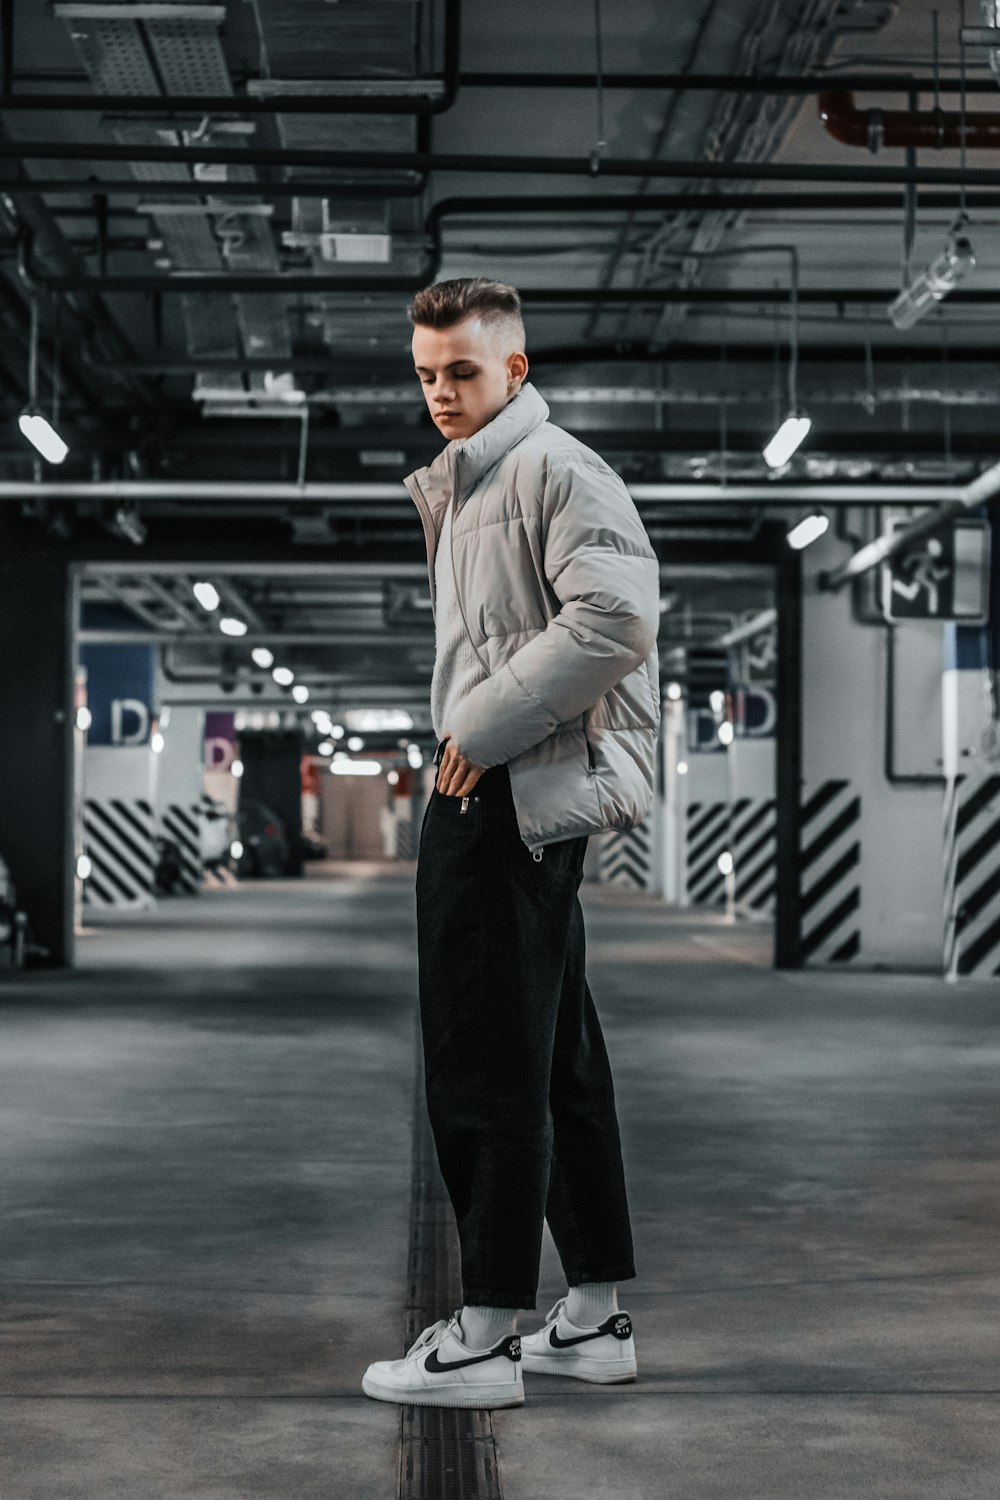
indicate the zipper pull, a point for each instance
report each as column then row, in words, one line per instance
column 465, row 804
column 537, row 856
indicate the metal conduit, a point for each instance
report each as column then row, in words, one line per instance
column 327, row 103
column 446, row 161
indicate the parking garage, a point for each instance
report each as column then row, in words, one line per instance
column 758, row 260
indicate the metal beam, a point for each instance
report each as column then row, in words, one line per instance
column 325, row 96
column 476, row 165
column 795, row 493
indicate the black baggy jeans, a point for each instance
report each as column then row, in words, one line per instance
column 518, row 1084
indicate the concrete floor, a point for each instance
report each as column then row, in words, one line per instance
column 204, row 1174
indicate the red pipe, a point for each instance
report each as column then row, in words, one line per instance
column 933, row 128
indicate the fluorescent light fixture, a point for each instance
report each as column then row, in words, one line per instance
column 300, row 693
column 725, row 733
column 725, row 863
column 230, row 626
column 237, row 768
column 262, row 657
column 236, row 849
column 786, row 440
column 283, row 676
column 940, row 277
column 156, row 743
column 207, row 595
column 40, row 432
column 682, row 768
column 674, row 691
column 356, row 767
column 84, row 718
column 808, row 529
column 373, row 719
column 84, row 867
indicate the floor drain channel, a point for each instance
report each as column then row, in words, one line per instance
column 445, row 1453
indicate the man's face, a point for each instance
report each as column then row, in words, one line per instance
column 466, row 381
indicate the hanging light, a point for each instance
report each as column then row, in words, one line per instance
column 786, row 441
column 36, row 427
column 808, row 529
column 794, row 429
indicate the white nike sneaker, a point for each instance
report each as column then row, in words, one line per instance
column 439, row 1369
column 604, row 1354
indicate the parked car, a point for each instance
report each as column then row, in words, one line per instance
column 169, row 871
column 312, row 848
column 262, row 834
column 218, row 830
column 12, row 922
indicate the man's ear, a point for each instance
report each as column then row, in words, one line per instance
column 517, row 366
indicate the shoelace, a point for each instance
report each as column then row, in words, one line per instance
column 431, row 1335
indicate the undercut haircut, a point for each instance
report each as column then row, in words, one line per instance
column 497, row 305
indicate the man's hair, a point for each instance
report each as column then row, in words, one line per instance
column 497, row 305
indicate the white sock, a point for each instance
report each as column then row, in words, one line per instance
column 591, row 1303
column 482, row 1326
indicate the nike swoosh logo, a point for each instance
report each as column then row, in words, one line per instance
column 619, row 1327
column 558, row 1343
column 433, row 1363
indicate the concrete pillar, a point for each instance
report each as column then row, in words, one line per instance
column 38, row 602
column 180, row 786
column 871, row 795
column 971, row 745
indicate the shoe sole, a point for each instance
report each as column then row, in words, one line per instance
column 487, row 1396
column 607, row 1372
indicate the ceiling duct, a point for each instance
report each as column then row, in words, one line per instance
column 137, row 49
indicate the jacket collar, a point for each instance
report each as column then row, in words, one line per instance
column 463, row 462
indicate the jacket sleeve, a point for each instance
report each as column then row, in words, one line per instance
column 602, row 568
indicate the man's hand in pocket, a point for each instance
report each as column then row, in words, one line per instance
column 456, row 775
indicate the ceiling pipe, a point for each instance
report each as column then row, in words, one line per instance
column 326, row 103
column 268, row 492
column 934, row 129
column 447, row 161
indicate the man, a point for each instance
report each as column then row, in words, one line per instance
column 545, row 700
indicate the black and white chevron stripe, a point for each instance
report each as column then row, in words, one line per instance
column 830, row 874
column 181, row 822
column 626, row 857
column 972, row 874
column 118, row 837
column 706, row 836
column 753, row 827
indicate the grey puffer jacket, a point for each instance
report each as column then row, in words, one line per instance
column 559, row 588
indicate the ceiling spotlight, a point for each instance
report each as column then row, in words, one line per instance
column 786, row 440
column 207, row 595
column 674, row 691
column 262, row 657
column 230, row 626
column 283, row 676
column 940, row 277
column 300, row 693
column 808, row 529
column 40, row 432
column 127, row 523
